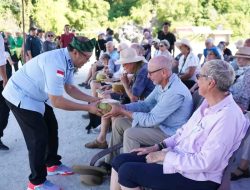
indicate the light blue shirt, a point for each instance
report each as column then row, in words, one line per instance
column 45, row 74
column 168, row 108
column 114, row 56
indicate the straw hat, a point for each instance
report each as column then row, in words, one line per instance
column 184, row 42
column 243, row 52
column 129, row 55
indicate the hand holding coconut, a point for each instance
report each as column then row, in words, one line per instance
column 106, row 105
column 93, row 108
column 115, row 111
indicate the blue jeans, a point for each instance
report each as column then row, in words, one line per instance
column 133, row 171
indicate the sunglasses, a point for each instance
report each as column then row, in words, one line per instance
column 161, row 45
column 50, row 35
column 151, row 72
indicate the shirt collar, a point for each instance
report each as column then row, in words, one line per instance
column 68, row 59
column 217, row 107
column 171, row 80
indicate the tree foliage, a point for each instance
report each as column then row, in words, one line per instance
column 93, row 15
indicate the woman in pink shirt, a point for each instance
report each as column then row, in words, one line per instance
column 196, row 156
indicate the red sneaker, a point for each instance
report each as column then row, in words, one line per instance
column 59, row 170
column 47, row 185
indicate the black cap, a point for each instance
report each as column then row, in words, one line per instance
column 40, row 31
column 32, row 28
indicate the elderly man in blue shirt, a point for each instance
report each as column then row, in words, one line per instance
column 31, row 92
column 147, row 122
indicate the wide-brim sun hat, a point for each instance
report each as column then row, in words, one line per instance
column 243, row 52
column 129, row 55
column 184, row 42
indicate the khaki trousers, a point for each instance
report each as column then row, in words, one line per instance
column 132, row 137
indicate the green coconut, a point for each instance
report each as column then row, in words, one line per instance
column 105, row 107
column 100, row 77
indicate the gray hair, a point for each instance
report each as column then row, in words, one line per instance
column 165, row 43
column 162, row 61
column 222, row 72
column 111, row 43
column 105, row 56
column 138, row 48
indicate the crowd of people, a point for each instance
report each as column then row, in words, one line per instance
column 168, row 142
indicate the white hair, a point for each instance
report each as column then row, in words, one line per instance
column 222, row 72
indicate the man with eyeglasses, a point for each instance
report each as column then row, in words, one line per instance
column 148, row 122
column 31, row 93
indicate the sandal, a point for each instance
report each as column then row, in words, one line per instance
column 97, row 144
column 244, row 174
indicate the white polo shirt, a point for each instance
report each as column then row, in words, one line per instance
column 2, row 55
column 191, row 61
column 44, row 74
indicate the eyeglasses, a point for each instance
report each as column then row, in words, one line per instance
column 161, row 45
column 198, row 76
column 50, row 35
column 151, row 72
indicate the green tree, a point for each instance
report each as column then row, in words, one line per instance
column 88, row 15
column 51, row 15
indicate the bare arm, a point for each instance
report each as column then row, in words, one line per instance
column 78, row 94
column 29, row 55
column 188, row 74
column 129, row 93
column 3, row 74
column 65, row 104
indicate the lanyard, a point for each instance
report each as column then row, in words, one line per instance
column 185, row 59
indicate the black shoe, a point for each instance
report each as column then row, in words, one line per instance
column 83, row 84
column 85, row 116
column 3, row 146
column 87, row 86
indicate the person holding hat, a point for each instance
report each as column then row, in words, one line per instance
column 188, row 63
column 241, row 94
column 31, row 93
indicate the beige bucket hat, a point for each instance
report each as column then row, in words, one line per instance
column 129, row 55
column 184, row 42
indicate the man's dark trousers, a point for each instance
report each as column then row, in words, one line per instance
column 41, row 137
column 4, row 111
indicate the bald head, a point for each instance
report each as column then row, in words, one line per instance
column 160, row 62
column 247, row 43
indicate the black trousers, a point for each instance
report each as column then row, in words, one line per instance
column 41, row 137
column 133, row 171
column 4, row 111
